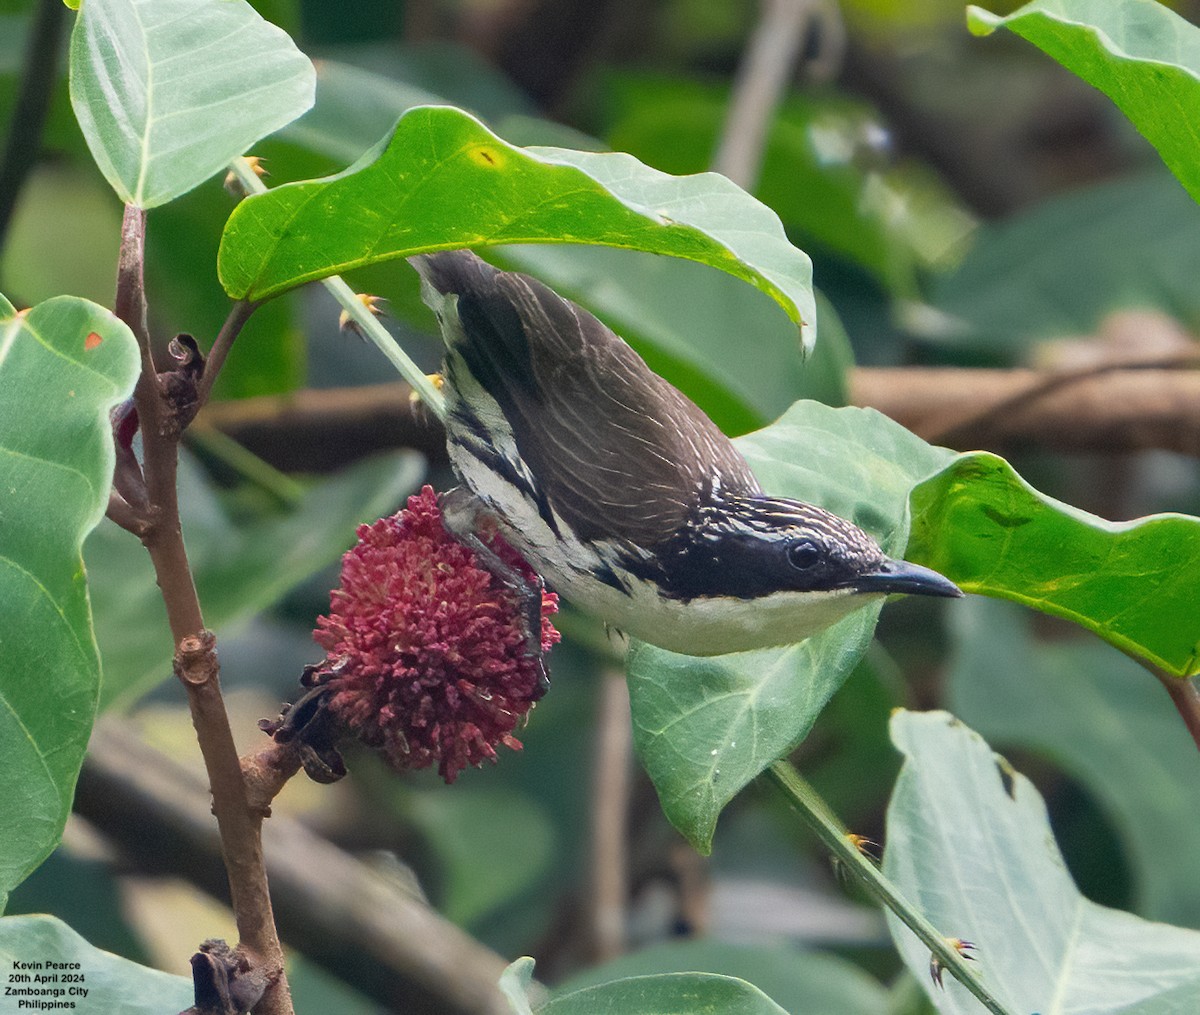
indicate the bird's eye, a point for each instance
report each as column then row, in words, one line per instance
column 803, row 554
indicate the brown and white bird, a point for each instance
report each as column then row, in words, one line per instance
column 620, row 491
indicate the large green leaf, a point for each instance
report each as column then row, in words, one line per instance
column 1083, row 705
column 1141, row 54
column 665, row 994
column 240, row 568
column 1060, row 267
column 108, row 983
column 63, row 366
column 804, row 983
column 444, row 180
column 1132, row 583
column 969, row 843
column 168, row 91
column 703, row 728
column 711, row 335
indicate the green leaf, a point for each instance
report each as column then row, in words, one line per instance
column 804, row 983
column 168, row 91
column 666, row 994
column 353, row 108
column 239, row 569
column 1089, row 709
column 704, row 728
column 444, row 180
column 1131, row 583
column 63, row 366
column 1141, row 54
column 970, row 844
column 113, row 984
column 1059, row 268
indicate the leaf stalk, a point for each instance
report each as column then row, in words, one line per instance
column 833, row 834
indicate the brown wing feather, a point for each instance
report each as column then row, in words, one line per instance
column 616, row 449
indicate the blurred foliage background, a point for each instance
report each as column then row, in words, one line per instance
column 966, row 202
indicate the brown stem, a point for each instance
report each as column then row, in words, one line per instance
column 762, row 79
column 196, row 664
column 1131, row 408
column 120, row 511
column 1185, row 696
column 362, row 923
column 610, row 819
column 239, row 314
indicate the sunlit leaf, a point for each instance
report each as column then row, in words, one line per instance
column 63, row 366
column 1132, row 583
column 168, row 91
column 1141, row 54
column 444, row 180
column 969, row 843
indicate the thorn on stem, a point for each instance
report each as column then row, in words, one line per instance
column 374, row 308
column 936, row 968
column 234, row 186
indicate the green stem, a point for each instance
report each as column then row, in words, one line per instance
column 366, row 321
column 247, row 465
column 818, row 816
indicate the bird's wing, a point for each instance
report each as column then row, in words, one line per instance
column 615, row 449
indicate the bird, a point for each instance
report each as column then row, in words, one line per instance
column 619, row 490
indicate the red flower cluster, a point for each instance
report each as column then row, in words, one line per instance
column 426, row 653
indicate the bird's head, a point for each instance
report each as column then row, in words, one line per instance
column 753, row 547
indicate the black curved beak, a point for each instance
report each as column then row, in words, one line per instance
column 901, row 576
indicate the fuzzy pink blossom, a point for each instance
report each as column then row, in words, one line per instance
column 427, row 658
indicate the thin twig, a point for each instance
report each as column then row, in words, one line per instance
column 818, row 816
column 196, row 663
column 39, row 75
column 120, row 511
column 610, row 818
column 1056, row 381
column 760, row 84
column 239, row 314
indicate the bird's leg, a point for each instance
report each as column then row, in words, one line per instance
column 460, row 514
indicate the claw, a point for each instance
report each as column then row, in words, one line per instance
column 460, row 515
